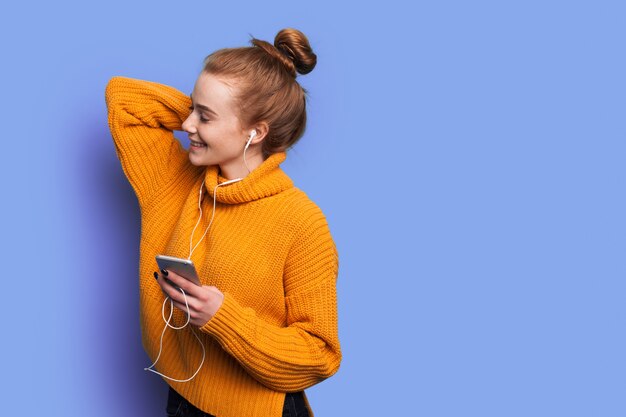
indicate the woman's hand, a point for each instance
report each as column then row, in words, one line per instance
column 203, row 301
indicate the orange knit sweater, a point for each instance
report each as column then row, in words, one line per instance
column 269, row 250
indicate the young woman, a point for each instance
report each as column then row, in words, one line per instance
column 262, row 326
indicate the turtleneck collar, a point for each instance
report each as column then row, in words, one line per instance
column 265, row 180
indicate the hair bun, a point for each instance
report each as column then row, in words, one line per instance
column 295, row 45
column 292, row 48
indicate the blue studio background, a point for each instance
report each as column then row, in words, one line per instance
column 469, row 157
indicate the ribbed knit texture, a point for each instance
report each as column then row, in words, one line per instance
column 269, row 250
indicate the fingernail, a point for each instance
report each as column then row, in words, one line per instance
column 156, row 275
column 164, row 272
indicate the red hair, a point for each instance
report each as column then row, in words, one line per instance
column 266, row 86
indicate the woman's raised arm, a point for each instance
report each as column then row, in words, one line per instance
column 142, row 116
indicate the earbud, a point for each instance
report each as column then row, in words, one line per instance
column 252, row 135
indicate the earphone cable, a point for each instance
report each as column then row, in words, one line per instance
column 167, row 324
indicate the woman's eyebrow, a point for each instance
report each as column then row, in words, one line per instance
column 202, row 106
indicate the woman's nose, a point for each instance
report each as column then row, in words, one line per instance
column 186, row 126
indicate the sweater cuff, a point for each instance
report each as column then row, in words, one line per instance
column 231, row 321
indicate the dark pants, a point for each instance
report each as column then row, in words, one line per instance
column 177, row 406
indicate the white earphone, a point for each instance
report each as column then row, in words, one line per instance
column 252, row 135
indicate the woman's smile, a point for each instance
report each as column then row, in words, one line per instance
column 195, row 144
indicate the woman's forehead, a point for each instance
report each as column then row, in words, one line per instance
column 214, row 92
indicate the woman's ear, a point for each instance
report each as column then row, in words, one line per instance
column 262, row 129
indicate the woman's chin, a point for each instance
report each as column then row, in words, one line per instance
column 195, row 160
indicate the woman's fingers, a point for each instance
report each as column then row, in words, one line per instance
column 195, row 316
column 202, row 302
column 183, row 308
column 168, row 288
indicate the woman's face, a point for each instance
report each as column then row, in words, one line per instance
column 215, row 132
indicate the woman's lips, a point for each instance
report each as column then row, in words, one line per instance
column 195, row 144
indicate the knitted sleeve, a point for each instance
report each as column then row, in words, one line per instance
column 142, row 116
column 306, row 350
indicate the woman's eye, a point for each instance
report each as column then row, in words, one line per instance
column 202, row 119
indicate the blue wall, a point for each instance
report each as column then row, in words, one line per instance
column 469, row 157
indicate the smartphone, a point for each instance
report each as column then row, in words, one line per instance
column 183, row 267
